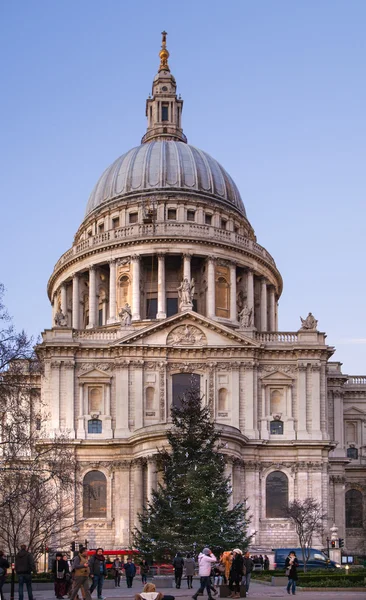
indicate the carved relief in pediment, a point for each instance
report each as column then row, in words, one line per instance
column 186, row 335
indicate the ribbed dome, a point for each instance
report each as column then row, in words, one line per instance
column 163, row 165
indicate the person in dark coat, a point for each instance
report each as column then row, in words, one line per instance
column 130, row 570
column 266, row 563
column 236, row 573
column 59, row 569
column 144, row 570
column 190, row 566
column 178, row 564
column 24, row 567
column 249, row 566
column 98, row 571
column 291, row 565
column 4, row 565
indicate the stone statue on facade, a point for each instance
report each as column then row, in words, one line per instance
column 310, row 323
column 245, row 317
column 60, row 319
column 125, row 315
column 186, row 293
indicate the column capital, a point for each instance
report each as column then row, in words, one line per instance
column 112, row 261
column 188, row 254
column 92, row 267
column 135, row 257
column 161, row 254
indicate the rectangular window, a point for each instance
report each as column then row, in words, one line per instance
column 100, row 317
column 100, row 227
column 191, row 215
column 208, row 219
column 223, row 223
column 151, row 308
column 171, row 306
column 115, row 222
column 172, row 214
column 164, row 112
column 182, row 383
column 133, row 217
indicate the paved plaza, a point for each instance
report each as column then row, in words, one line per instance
column 257, row 590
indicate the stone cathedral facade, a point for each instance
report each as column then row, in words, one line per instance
column 166, row 284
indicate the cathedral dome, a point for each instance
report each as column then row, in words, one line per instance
column 164, row 165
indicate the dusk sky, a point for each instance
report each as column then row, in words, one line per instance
column 274, row 90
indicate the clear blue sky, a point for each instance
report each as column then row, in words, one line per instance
column 275, row 90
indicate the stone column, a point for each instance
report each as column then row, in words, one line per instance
column 250, row 292
column 81, row 426
column 233, row 308
column 92, row 297
column 263, row 305
column 136, row 288
column 138, row 487
column 210, row 303
column 63, row 299
column 338, row 422
column 161, row 287
column 75, row 301
column 187, row 266
column 272, row 309
column 112, row 291
column 151, row 476
column 122, row 398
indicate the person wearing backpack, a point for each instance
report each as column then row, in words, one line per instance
column 4, row 566
column 24, row 567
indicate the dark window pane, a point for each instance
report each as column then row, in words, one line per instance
column 94, row 495
column 352, row 453
column 151, row 308
column 164, row 113
column 354, row 511
column 94, row 426
column 276, row 495
column 194, row 302
column 208, row 219
column 172, row 214
column 133, row 217
column 276, row 427
column 171, row 306
column 100, row 317
column 183, row 382
column 191, row 215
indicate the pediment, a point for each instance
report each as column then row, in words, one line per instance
column 277, row 377
column 354, row 411
column 188, row 329
column 94, row 375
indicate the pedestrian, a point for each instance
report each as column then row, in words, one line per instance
column 144, row 570
column 24, row 567
column 130, row 570
column 4, row 566
column 236, row 573
column 98, row 571
column 149, row 593
column 190, row 566
column 178, row 564
column 261, row 561
column 60, row 568
column 249, row 566
column 217, row 575
column 291, row 565
column 205, row 560
column 117, row 567
column 266, row 563
column 80, row 567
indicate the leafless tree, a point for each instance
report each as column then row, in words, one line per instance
column 37, row 469
column 308, row 518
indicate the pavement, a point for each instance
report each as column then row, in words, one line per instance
column 257, row 591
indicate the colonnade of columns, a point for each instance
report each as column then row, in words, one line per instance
column 266, row 320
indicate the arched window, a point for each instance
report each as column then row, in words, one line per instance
column 222, row 404
column 182, row 382
column 276, row 495
column 150, row 393
column 276, row 427
column 123, row 289
column 94, row 426
column 94, row 495
column 354, row 509
column 95, row 400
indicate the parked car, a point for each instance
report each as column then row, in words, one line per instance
column 317, row 559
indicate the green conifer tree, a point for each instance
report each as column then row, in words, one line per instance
column 191, row 507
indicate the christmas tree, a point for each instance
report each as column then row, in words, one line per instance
column 191, row 507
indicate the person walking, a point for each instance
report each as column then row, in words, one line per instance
column 190, row 566
column 98, row 572
column 249, row 566
column 291, row 565
column 80, row 567
column 60, row 568
column 266, row 563
column 4, row 566
column 130, row 570
column 24, row 567
column 236, row 573
column 178, row 564
column 117, row 567
column 205, row 560
column 144, row 570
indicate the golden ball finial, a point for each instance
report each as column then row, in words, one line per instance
column 164, row 54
